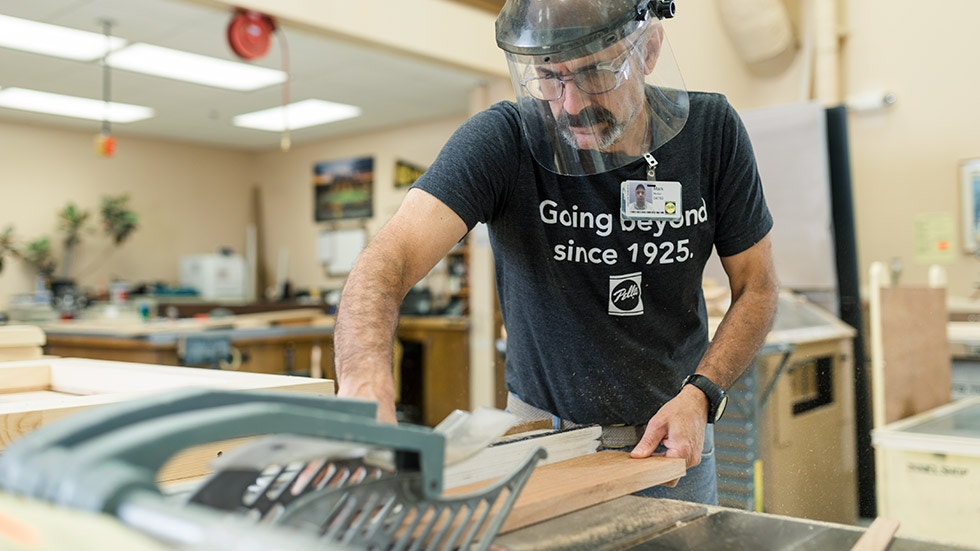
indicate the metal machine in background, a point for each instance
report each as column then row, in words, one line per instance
column 785, row 444
column 216, row 276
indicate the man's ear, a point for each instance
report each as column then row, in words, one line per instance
column 651, row 51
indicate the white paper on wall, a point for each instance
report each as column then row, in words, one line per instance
column 790, row 144
column 338, row 249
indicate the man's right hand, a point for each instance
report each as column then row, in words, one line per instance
column 384, row 398
column 404, row 250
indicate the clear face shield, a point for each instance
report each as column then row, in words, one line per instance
column 585, row 106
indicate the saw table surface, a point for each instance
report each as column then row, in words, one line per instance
column 633, row 523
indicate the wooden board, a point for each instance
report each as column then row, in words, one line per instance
column 138, row 328
column 878, row 536
column 18, row 353
column 35, row 393
column 917, row 365
column 32, row 525
column 21, row 335
column 566, row 486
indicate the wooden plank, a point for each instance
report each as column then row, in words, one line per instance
column 15, row 377
column 21, row 335
column 917, row 369
column 70, row 385
column 33, row 396
column 574, row 484
column 19, row 353
column 878, row 536
column 136, row 328
column 85, row 376
column 195, row 462
column 911, row 366
column 28, row 524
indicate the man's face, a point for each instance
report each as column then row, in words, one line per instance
column 641, row 195
column 598, row 121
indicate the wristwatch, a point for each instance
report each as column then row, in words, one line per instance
column 717, row 398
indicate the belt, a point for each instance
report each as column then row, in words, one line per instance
column 613, row 436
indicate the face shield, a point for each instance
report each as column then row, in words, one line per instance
column 596, row 83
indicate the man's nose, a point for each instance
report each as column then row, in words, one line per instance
column 574, row 100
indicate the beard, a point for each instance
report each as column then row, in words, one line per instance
column 591, row 117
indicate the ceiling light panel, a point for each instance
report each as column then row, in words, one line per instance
column 41, row 38
column 199, row 69
column 302, row 114
column 72, row 106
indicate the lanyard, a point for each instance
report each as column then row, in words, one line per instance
column 652, row 166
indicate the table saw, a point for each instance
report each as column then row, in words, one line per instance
column 327, row 476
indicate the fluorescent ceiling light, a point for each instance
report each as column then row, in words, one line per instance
column 210, row 71
column 41, row 38
column 310, row 112
column 71, row 106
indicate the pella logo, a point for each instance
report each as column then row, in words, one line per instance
column 624, row 295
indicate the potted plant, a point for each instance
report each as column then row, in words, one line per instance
column 118, row 223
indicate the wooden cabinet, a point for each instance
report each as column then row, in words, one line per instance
column 458, row 267
column 438, row 382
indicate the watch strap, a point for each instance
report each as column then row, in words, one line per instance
column 717, row 398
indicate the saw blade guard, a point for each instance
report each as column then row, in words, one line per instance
column 106, row 459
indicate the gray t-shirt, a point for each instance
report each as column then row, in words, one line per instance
column 604, row 316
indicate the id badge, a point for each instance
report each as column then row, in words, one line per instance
column 650, row 200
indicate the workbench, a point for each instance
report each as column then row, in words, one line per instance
column 282, row 350
column 440, row 382
column 292, row 342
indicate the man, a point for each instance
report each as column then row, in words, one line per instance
column 605, row 317
column 640, row 197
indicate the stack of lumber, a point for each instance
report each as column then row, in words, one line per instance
column 20, row 342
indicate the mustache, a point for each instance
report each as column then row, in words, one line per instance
column 590, row 116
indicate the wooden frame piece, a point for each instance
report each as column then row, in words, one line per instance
column 34, row 393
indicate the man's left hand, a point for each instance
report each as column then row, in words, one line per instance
column 679, row 425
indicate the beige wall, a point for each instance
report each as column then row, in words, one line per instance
column 285, row 181
column 190, row 200
column 904, row 160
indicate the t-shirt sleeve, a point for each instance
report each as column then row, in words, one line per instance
column 472, row 172
column 744, row 217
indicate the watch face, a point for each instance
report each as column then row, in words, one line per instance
column 721, row 407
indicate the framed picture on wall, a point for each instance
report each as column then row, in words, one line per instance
column 343, row 189
column 970, row 187
column 406, row 173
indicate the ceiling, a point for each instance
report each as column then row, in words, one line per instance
column 391, row 90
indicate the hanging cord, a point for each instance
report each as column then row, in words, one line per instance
column 106, row 78
column 284, row 141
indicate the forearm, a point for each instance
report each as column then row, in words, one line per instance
column 367, row 317
column 405, row 249
column 741, row 332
